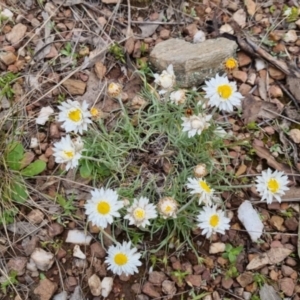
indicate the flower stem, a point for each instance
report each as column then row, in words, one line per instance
column 185, row 206
column 108, row 235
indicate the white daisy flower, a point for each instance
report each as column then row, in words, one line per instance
column 103, row 207
column 195, row 124
column 167, row 207
column 75, row 116
column 166, row 80
column 202, row 188
column 271, row 185
column 140, row 212
column 122, row 259
column 222, row 93
column 212, row 221
column 66, row 151
column 178, row 97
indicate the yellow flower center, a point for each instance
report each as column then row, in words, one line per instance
column 204, row 186
column 225, row 91
column 114, row 89
column 273, row 185
column 103, row 207
column 120, row 259
column 231, row 63
column 94, row 111
column 214, row 220
column 168, row 209
column 139, row 213
column 75, row 115
column 69, row 154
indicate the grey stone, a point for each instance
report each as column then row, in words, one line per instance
column 192, row 63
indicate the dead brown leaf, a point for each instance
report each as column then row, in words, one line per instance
column 273, row 256
column 148, row 29
column 266, row 154
column 133, row 86
column 251, row 7
column 74, row 86
column 241, row 170
column 277, row 255
column 254, row 109
column 293, row 84
column 298, row 242
column 251, row 108
column 262, row 85
column 267, row 292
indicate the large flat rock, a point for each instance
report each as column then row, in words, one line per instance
column 193, row 63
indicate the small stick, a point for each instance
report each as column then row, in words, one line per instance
column 289, row 94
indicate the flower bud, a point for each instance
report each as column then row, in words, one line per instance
column 200, row 171
column 114, row 90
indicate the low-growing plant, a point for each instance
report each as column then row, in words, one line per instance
column 231, row 253
column 180, row 276
column 199, row 296
column 291, row 13
column 68, row 209
column 69, row 52
column 55, row 245
column 11, row 280
column 232, row 272
column 6, row 82
column 259, row 279
column 14, row 161
column 117, row 51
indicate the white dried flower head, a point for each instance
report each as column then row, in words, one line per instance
column 140, row 212
column 65, row 151
column 166, row 80
column 212, row 221
column 195, row 124
column 222, row 93
column 75, row 116
column 200, row 171
column 96, row 113
column 167, row 207
column 199, row 37
column 44, row 115
column 103, row 207
column 271, row 185
column 123, row 259
column 78, row 143
column 126, row 202
column 200, row 187
column 114, row 90
column 178, row 97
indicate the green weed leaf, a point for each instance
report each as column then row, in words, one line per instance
column 35, row 168
column 86, row 169
column 15, row 152
column 19, row 192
